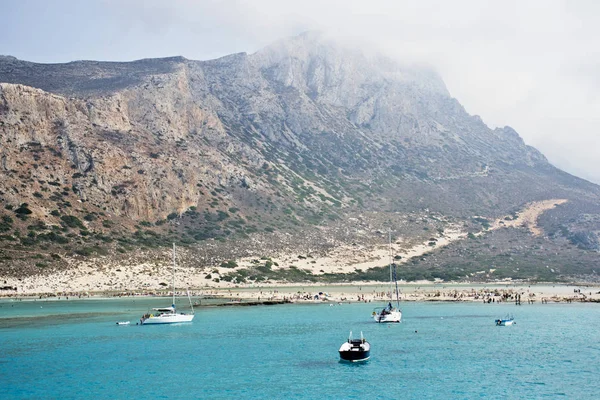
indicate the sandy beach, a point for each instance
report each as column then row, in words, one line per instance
column 86, row 278
column 424, row 291
column 367, row 292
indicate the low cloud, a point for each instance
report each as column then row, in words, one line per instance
column 531, row 65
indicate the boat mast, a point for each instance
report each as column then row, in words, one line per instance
column 390, row 251
column 397, row 291
column 173, row 304
column 393, row 275
column 190, row 300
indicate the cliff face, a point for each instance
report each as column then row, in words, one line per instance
column 140, row 154
column 90, row 148
column 299, row 134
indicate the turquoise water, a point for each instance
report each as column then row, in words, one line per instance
column 74, row 350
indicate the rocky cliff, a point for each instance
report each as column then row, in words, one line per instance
column 279, row 147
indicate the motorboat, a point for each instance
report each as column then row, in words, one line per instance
column 355, row 350
column 123, row 323
column 168, row 315
column 507, row 321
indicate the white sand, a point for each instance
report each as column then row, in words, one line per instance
column 421, row 291
column 529, row 215
column 86, row 277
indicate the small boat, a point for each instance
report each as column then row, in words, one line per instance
column 390, row 313
column 355, row 350
column 123, row 323
column 168, row 315
column 506, row 321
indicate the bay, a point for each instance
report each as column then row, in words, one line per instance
column 74, row 350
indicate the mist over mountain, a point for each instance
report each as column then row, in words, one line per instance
column 299, row 146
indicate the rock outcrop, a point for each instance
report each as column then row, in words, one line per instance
column 293, row 138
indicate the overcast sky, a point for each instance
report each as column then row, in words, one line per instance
column 533, row 65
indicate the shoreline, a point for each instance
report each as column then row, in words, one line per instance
column 493, row 292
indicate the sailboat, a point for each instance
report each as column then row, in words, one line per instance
column 168, row 315
column 390, row 313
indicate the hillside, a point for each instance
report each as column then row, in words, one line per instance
column 298, row 148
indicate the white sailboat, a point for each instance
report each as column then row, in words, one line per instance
column 168, row 315
column 389, row 313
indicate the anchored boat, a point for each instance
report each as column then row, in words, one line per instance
column 168, row 315
column 507, row 321
column 355, row 350
column 390, row 313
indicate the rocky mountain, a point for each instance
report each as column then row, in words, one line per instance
column 272, row 151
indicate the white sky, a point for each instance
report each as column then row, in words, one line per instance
column 533, row 65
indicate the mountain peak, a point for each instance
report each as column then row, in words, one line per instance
column 258, row 150
column 317, row 62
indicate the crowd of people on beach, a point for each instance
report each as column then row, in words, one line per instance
column 487, row 296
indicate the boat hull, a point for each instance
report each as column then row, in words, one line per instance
column 504, row 322
column 355, row 356
column 167, row 319
column 355, row 350
column 388, row 317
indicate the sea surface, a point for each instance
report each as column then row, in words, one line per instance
column 75, row 350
